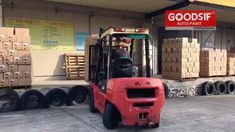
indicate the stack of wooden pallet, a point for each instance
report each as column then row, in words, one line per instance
column 180, row 58
column 75, row 66
column 213, row 62
column 231, row 64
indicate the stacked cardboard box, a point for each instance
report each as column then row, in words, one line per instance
column 231, row 64
column 90, row 41
column 15, row 58
column 232, row 49
column 213, row 62
column 180, row 58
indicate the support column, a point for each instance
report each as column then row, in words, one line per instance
column 1, row 18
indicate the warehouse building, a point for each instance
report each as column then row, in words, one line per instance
column 61, row 26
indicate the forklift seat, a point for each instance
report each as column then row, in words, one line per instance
column 122, row 67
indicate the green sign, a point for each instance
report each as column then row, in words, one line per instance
column 49, row 35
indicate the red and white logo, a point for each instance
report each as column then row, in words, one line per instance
column 190, row 20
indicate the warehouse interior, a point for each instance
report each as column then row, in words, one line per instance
column 58, row 74
column 89, row 16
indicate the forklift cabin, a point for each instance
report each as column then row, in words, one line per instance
column 101, row 71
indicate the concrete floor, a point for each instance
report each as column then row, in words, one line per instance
column 195, row 114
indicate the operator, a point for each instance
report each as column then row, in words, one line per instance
column 123, row 42
column 121, row 61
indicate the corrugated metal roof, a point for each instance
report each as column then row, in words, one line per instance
column 228, row 3
column 142, row 6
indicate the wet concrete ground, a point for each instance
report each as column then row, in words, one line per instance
column 194, row 114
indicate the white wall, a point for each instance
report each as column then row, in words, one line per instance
column 222, row 38
column 49, row 63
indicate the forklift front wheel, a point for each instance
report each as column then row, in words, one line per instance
column 111, row 117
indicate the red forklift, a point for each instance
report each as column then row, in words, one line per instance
column 117, row 90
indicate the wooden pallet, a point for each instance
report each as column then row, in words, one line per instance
column 73, row 61
column 17, row 87
column 180, row 79
column 75, row 66
column 215, row 76
column 230, row 75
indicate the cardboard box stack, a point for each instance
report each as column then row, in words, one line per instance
column 15, row 57
column 180, row 58
column 213, row 62
column 232, row 49
column 231, row 64
column 91, row 40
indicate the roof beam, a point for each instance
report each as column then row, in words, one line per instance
column 172, row 7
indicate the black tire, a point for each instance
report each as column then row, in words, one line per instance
column 91, row 102
column 199, row 91
column 56, row 97
column 208, row 88
column 156, row 125
column 166, row 90
column 111, row 117
column 220, row 88
column 77, row 95
column 12, row 100
column 230, row 87
column 32, row 99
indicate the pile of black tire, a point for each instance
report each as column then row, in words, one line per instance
column 217, row 88
column 10, row 100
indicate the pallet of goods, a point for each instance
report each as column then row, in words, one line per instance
column 231, row 64
column 15, row 57
column 75, row 66
column 213, row 63
column 180, row 59
column 90, row 41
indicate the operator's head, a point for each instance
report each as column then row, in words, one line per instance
column 123, row 42
column 126, row 40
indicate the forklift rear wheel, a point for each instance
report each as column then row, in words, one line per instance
column 111, row 117
column 32, row 99
column 156, row 125
column 9, row 100
column 77, row 95
column 56, row 97
column 166, row 90
column 91, row 103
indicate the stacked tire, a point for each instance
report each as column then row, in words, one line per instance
column 230, row 87
column 217, row 88
column 32, row 99
column 220, row 88
column 9, row 100
column 207, row 88
column 56, row 97
column 77, row 95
